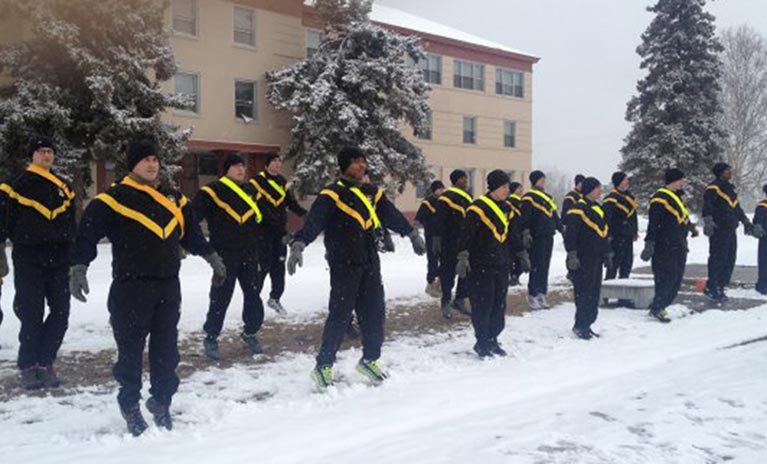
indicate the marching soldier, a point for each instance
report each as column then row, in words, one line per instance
column 760, row 219
column 520, row 260
column 621, row 214
column 451, row 210
column 352, row 225
column 721, row 215
column 425, row 216
column 275, row 200
column 540, row 222
column 146, row 224
column 40, row 221
column 573, row 196
column 236, row 233
column 666, row 242
column 588, row 249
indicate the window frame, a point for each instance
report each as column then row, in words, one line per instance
column 198, row 98
column 254, row 107
column 513, row 85
column 253, row 31
column 430, row 132
column 513, row 136
column 475, row 124
column 478, row 75
column 196, row 18
column 306, row 41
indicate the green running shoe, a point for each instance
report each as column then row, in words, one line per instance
column 372, row 371
column 322, row 376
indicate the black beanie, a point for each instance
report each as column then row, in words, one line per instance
column 271, row 156
column 589, row 184
column 436, row 185
column 579, row 179
column 764, row 189
column 535, row 176
column 231, row 160
column 618, row 177
column 456, row 175
column 138, row 150
column 513, row 186
column 719, row 169
column 496, row 179
column 673, row 175
column 347, row 155
column 37, row 142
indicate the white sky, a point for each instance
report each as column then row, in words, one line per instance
column 588, row 68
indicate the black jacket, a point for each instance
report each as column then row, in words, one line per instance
column 350, row 230
column 570, row 201
column 486, row 235
column 39, row 210
column 669, row 222
column 427, row 214
column 451, row 210
column 760, row 215
column 621, row 213
column 145, row 233
column 539, row 214
column 721, row 202
column 233, row 224
column 275, row 199
column 586, row 231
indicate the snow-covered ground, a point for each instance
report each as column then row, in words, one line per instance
column 642, row 393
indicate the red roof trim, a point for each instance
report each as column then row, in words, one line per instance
column 231, row 146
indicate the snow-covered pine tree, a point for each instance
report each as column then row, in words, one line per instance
column 356, row 90
column 88, row 74
column 676, row 114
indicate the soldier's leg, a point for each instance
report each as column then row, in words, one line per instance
column 447, row 275
column 55, row 326
column 371, row 313
column 28, row 305
column 481, row 293
column 731, row 253
column 498, row 316
column 163, row 343
column 221, row 296
column 277, row 268
column 251, row 277
column 344, row 287
column 761, row 284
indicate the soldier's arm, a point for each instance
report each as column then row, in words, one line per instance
column 656, row 218
column 469, row 229
column 316, row 219
column 294, row 205
column 422, row 214
column 392, row 218
column 96, row 223
column 709, row 200
column 200, row 205
column 572, row 229
column 193, row 240
column 440, row 219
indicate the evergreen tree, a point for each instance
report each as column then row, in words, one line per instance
column 357, row 89
column 676, row 114
column 88, row 74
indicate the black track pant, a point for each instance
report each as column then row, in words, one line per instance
column 668, row 265
column 447, row 278
column 357, row 288
column 540, row 260
column 432, row 261
column 587, row 284
column 722, row 251
column 137, row 309
column 244, row 268
column 40, row 276
column 761, row 284
column 623, row 261
column 278, row 254
column 488, row 288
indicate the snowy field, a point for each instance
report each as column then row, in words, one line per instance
column 642, row 393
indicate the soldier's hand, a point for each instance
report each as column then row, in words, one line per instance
column 219, row 268
column 296, row 258
column 527, row 239
column 709, row 226
column 648, row 252
column 524, row 261
column 78, row 282
column 462, row 267
column 182, row 254
column 758, row 231
column 572, row 262
column 419, row 247
column 436, row 245
column 3, row 261
column 287, row 238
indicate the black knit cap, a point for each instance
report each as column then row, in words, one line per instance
column 269, row 157
column 673, row 175
column 764, row 189
column 138, row 150
column 347, row 155
column 456, row 175
column 231, row 160
column 535, row 176
column 436, row 185
column 589, row 184
column 719, row 169
column 618, row 177
column 513, row 186
column 37, row 142
column 579, row 179
column 497, row 179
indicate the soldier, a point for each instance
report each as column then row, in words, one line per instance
column 760, row 219
column 425, row 216
column 621, row 214
column 352, row 225
column 146, row 223
column 520, row 260
column 573, row 196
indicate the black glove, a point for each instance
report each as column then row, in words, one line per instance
column 524, row 261
column 572, row 262
column 419, row 247
column 219, row 268
column 436, row 245
column 757, row 231
column 78, row 282
column 709, row 226
column 649, row 251
column 527, row 239
column 462, row 267
column 296, row 258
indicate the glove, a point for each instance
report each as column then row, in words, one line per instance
column 182, row 254
column 436, row 245
column 649, row 251
column 287, row 238
column 572, row 262
column 78, row 282
column 462, row 267
column 524, row 261
column 709, row 226
column 419, row 247
column 296, row 258
column 693, row 230
column 3, row 261
column 757, row 231
column 527, row 239
column 219, row 268
column 609, row 260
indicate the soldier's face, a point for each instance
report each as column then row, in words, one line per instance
column 518, row 191
column 43, row 157
column 357, row 169
column 596, row 194
column 275, row 167
column 727, row 174
column 148, row 168
column 236, row 172
column 501, row 193
column 624, row 185
column 439, row 192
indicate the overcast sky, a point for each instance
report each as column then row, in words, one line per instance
column 588, row 68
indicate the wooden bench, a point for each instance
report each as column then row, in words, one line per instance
column 638, row 291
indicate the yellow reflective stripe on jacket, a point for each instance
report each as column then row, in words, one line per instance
column 51, row 178
column 36, row 205
column 763, row 204
column 162, row 232
column 498, row 212
column 280, row 191
column 679, row 203
column 244, row 196
column 429, row 206
column 545, row 197
column 501, row 237
column 225, row 206
column 514, row 210
column 725, row 197
column 452, row 204
column 371, row 210
column 348, row 210
column 602, row 232
column 598, row 209
column 515, row 196
column 486, row 220
column 164, row 201
column 462, row 193
column 629, row 212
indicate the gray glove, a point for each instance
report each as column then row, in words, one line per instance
column 649, row 251
column 527, row 239
column 296, row 258
column 287, row 238
column 182, row 254
column 524, row 261
column 219, row 268
column 609, row 263
column 462, row 267
column 78, row 282
column 572, row 262
column 757, row 231
column 709, row 226
column 436, row 245
column 419, row 247
column 3, row 261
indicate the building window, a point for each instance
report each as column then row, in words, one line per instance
column 467, row 75
column 469, row 129
column 509, row 83
column 470, row 175
column 244, row 26
column 185, row 16
column 188, row 86
column 431, row 66
column 313, row 41
column 509, row 134
column 245, row 100
column 426, row 135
